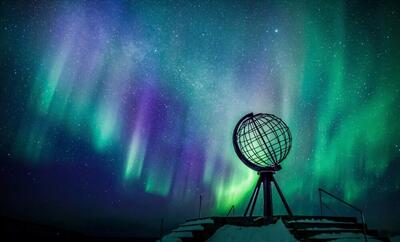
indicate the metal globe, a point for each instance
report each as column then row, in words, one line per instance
column 262, row 141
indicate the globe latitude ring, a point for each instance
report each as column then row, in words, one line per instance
column 262, row 141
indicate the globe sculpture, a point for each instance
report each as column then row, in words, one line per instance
column 262, row 141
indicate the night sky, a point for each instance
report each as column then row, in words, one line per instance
column 116, row 114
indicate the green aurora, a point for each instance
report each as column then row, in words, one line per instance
column 151, row 93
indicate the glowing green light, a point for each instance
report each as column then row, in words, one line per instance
column 159, row 180
column 104, row 127
column 136, row 155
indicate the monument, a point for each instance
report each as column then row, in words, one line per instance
column 262, row 141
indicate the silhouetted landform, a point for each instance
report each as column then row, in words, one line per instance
column 299, row 228
column 18, row 230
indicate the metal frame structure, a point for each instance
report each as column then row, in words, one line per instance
column 267, row 163
column 265, row 180
column 364, row 223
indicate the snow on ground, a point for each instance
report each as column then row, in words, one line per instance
column 333, row 228
column 183, row 230
column 356, row 240
column 269, row 233
column 175, row 236
column 360, row 239
column 190, row 227
column 199, row 221
column 316, row 221
column 170, row 238
column 353, row 237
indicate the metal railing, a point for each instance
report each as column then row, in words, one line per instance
column 232, row 209
column 364, row 224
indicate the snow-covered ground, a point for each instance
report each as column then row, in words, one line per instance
column 182, row 231
column 200, row 221
column 191, row 227
column 315, row 221
column 353, row 237
column 270, row 233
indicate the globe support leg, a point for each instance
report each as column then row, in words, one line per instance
column 288, row 210
column 253, row 198
column 265, row 179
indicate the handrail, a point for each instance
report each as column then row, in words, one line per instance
column 320, row 190
column 231, row 210
column 200, row 206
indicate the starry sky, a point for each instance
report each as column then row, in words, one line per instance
column 116, row 114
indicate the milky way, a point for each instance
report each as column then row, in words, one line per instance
column 124, row 110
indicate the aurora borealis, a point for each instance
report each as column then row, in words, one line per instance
column 122, row 112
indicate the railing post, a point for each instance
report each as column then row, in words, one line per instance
column 320, row 201
column 200, row 207
column 364, row 226
column 232, row 209
column 161, row 229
